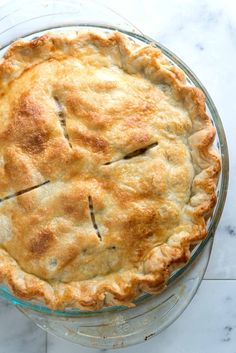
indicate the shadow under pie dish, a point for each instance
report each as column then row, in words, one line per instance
column 108, row 171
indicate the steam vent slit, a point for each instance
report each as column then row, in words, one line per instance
column 92, row 215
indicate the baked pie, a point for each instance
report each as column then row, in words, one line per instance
column 108, row 171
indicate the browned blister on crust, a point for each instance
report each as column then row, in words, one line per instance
column 108, row 170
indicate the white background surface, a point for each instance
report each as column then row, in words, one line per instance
column 203, row 34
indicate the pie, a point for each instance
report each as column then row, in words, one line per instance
column 107, row 169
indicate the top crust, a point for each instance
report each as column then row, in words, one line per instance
column 108, row 171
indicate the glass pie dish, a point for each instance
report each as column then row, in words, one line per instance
column 117, row 326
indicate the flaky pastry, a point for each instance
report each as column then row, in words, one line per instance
column 108, row 170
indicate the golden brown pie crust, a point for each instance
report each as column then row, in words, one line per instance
column 108, row 171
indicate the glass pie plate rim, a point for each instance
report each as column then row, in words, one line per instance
column 222, row 184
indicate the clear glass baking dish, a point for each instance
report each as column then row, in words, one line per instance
column 116, row 326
